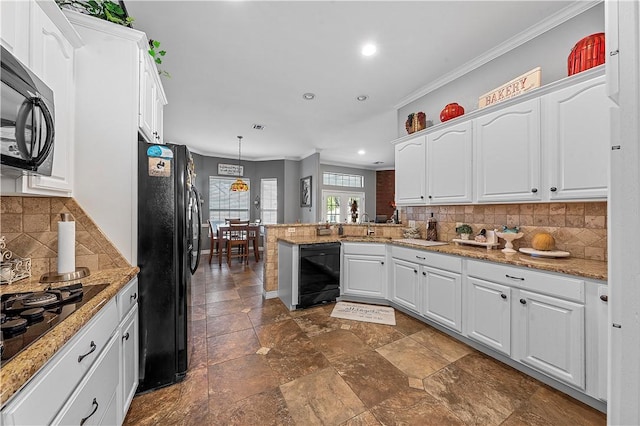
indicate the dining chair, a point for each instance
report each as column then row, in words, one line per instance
column 238, row 237
column 213, row 238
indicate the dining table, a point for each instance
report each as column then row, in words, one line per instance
column 253, row 235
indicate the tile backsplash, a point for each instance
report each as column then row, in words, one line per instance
column 30, row 225
column 579, row 228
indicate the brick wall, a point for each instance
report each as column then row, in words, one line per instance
column 385, row 192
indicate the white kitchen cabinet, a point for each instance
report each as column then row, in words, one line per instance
column 550, row 336
column 128, row 347
column 507, row 153
column 151, row 101
column 410, row 177
column 602, row 341
column 404, row 288
column 14, row 28
column 488, row 319
column 42, row 38
column 576, row 139
column 442, row 297
column 364, row 272
column 450, row 165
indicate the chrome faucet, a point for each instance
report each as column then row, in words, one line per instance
column 370, row 230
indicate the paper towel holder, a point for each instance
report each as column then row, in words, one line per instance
column 53, row 277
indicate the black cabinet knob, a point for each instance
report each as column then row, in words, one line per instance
column 382, row 263
column 524, row 302
column 424, row 273
column 504, row 296
column 554, row 189
column 422, row 197
column 415, row 271
column 430, row 197
column 534, row 190
column 604, row 297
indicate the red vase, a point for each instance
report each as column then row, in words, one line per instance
column 451, row 111
column 587, row 53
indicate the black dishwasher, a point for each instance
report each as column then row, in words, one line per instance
column 318, row 273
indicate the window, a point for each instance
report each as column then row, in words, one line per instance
column 223, row 203
column 269, row 200
column 341, row 179
column 336, row 206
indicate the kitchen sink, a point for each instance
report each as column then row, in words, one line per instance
column 421, row 242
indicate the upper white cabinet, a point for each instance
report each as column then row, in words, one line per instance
column 450, row 165
column 39, row 35
column 410, row 172
column 507, row 153
column 152, row 101
column 576, row 134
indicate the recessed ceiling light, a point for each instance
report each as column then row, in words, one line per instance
column 369, row 49
column 308, row 96
column 362, row 152
column 362, row 98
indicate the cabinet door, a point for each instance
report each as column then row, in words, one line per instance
column 550, row 336
column 612, row 63
column 442, row 297
column 148, row 96
column 603, row 340
column 507, row 153
column 405, row 289
column 364, row 276
column 410, row 172
column 450, row 165
column 576, row 134
column 128, row 362
column 489, row 314
column 52, row 59
column 14, row 28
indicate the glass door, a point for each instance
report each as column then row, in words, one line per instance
column 342, row 206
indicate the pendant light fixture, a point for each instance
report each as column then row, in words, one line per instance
column 239, row 185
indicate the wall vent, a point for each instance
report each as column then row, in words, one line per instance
column 258, row 126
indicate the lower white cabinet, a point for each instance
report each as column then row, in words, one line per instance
column 550, row 336
column 488, row 318
column 364, row 270
column 404, row 287
column 92, row 378
column 442, row 297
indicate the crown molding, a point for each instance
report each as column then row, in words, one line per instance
column 532, row 32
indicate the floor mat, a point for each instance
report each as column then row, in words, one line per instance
column 368, row 313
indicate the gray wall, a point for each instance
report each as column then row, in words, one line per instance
column 291, row 199
column 369, row 186
column 548, row 51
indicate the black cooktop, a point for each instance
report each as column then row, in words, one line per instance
column 25, row 317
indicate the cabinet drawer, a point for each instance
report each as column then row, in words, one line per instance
column 551, row 284
column 93, row 398
column 127, row 297
column 41, row 398
column 427, row 258
column 372, row 249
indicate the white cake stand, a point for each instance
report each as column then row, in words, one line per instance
column 509, row 237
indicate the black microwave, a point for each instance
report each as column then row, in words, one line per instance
column 26, row 120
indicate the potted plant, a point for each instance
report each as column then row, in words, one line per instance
column 464, row 230
column 104, row 9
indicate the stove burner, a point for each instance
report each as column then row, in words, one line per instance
column 32, row 314
column 14, row 326
column 39, row 299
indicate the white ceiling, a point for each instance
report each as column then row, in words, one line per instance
column 238, row 63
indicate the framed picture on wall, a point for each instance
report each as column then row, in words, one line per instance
column 305, row 192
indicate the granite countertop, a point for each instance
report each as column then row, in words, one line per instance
column 592, row 269
column 15, row 373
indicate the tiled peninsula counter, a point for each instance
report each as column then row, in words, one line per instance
column 17, row 371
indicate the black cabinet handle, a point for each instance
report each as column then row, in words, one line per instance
column 524, row 302
column 95, row 408
column 134, row 296
column 604, row 297
column 504, row 296
column 126, row 336
column 422, row 197
column 614, row 52
column 93, row 348
column 554, row 189
column 424, row 273
column 421, row 258
column 415, row 271
column 514, row 278
column 534, row 190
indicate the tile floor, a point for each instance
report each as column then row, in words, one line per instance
column 255, row 363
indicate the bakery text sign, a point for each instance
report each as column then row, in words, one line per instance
column 517, row 86
column 230, row 169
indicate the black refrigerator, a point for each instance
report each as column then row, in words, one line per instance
column 169, row 225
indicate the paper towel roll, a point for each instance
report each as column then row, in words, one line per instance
column 66, row 246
